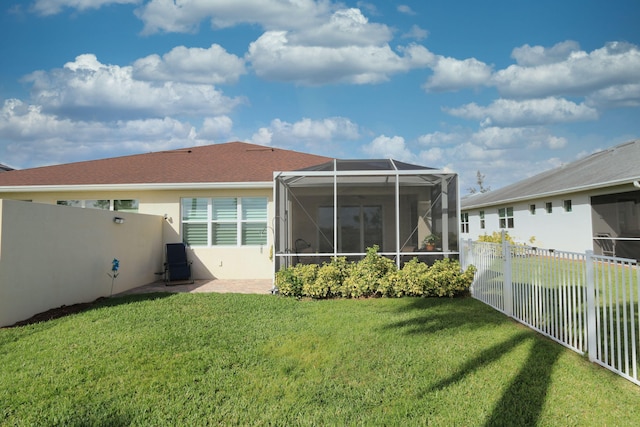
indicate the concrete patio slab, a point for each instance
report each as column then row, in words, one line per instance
column 240, row 286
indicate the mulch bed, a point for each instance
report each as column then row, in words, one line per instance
column 56, row 313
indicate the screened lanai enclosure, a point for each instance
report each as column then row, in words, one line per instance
column 343, row 207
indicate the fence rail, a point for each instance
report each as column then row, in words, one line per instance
column 585, row 302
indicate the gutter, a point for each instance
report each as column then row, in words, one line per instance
column 137, row 187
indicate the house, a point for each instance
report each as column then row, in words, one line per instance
column 245, row 209
column 590, row 204
column 5, row 168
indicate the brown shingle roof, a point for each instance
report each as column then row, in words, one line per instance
column 217, row 163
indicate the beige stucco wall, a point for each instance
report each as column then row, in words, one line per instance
column 57, row 255
column 251, row 262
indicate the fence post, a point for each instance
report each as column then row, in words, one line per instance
column 467, row 253
column 591, row 308
column 507, row 285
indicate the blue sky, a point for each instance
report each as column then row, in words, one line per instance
column 507, row 87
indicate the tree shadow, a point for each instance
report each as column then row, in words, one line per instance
column 439, row 314
column 524, row 399
column 486, row 357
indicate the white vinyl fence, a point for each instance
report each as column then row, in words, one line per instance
column 585, row 302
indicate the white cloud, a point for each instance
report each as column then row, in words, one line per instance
column 530, row 137
column 616, row 96
column 403, row 8
column 504, row 155
column 215, row 128
column 38, row 138
column 52, row 7
column 389, row 148
column 581, row 73
column 264, row 136
column 531, row 56
column 370, row 8
column 346, row 27
column 87, row 89
column 416, row 33
column 438, row 138
column 191, row 65
column 315, row 134
column 507, row 112
column 274, row 57
column 171, row 16
column 454, row 74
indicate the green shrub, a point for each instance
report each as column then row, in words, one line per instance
column 445, row 278
column 375, row 275
column 287, row 283
column 414, row 276
column 329, row 279
column 391, row 285
column 291, row 280
column 366, row 277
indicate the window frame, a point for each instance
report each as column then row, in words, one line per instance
column 482, row 220
column 548, row 207
column 464, row 222
column 246, row 223
column 505, row 217
column 95, row 204
column 567, row 205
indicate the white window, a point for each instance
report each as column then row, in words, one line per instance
column 224, row 221
column 549, row 207
column 482, row 220
column 130, row 205
column 464, row 222
column 506, row 217
column 532, row 209
column 566, row 204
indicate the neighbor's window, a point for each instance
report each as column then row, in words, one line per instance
column 482, row 220
column 464, row 222
column 506, row 217
column 114, row 205
column 224, row 221
column 532, row 209
column 549, row 207
column 129, row 205
column 566, row 204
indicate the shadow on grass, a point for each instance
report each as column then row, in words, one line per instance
column 524, row 399
column 437, row 314
column 68, row 310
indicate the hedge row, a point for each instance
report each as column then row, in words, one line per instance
column 374, row 276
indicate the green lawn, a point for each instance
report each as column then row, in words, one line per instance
column 196, row 359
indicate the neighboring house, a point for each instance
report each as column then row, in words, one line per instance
column 241, row 206
column 4, row 168
column 590, row 204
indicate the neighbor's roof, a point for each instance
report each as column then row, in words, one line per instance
column 614, row 166
column 5, row 168
column 218, row 163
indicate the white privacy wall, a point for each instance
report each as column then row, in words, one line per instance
column 56, row 255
